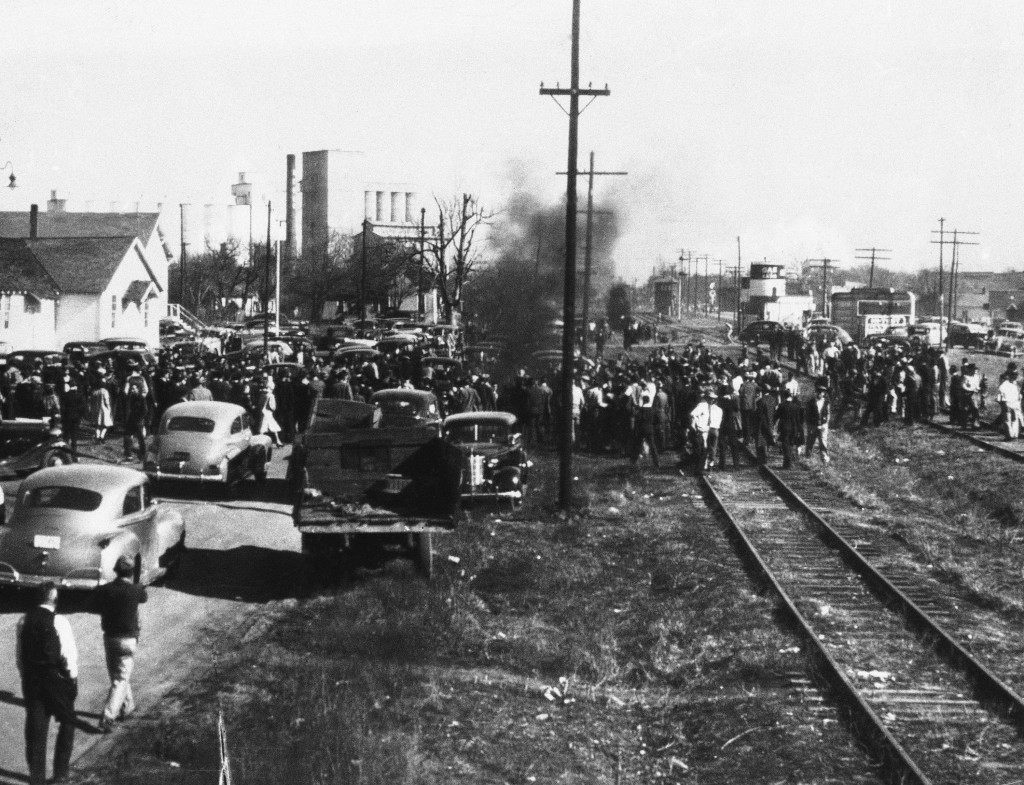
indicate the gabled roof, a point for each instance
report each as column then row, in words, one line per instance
column 141, row 225
column 81, row 265
column 20, row 271
column 136, row 291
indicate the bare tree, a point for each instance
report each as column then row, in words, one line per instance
column 321, row 276
column 453, row 252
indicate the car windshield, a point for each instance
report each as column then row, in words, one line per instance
column 401, row 408
column 191, row 424
column 475, row 432
column 63, row 497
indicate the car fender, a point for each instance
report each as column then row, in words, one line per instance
column 170, row 528
column 112, row 547
column 508, row 478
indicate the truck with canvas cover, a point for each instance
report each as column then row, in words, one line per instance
column 363, row 494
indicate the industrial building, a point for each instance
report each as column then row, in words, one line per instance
column 338, row 195
column 763, row 296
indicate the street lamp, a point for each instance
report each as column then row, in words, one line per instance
column 892, row 291
column 12, row 181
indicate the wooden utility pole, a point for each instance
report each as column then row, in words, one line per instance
column 684, row 292
column 569, row 295
column 718, row 290
column 739, row 285
column 182, row 259
column 696, row 304
column 266, row 290
column 825, row 264
column 871, row 254
column 941, row 243
column 587, row 252
column 362, row 273
column 421, row 300
column 954, row 268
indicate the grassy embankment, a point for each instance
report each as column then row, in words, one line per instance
column 956, row 506
column 625, row 645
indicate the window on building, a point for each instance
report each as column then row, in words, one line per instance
column 145, row 312
column 32, row 304
column 7, row 311
column 380, row 206
column 113, row 310
column 56, row 313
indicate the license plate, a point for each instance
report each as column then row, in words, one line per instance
column 46, row 541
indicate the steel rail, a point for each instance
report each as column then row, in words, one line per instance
column 899, row 767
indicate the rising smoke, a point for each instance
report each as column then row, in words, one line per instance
column 517, row 298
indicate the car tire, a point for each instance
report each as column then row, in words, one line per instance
column 423, row 554
column 55, row 458
column 174, row 567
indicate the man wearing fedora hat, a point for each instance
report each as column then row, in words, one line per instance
column 118, row 603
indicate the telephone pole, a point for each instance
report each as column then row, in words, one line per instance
column 718, row 290
column 872, row 257
column 954, row 268
column 587, row 253
column 569, row 295
column 824, row 265
column 739, row 286
column 696, row 270
column 684, row 299
column 266, row 291
column 941, row 243
column 182, row 259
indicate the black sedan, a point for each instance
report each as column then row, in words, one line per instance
column 496, row 465
column 28, row 445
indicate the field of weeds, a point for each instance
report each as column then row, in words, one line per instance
column 624, row 645
column 957, row 506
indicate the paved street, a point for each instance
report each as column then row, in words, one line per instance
column 241, row 552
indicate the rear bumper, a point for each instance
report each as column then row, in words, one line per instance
column 471, row 492
column 156, row 473
column 9, row 576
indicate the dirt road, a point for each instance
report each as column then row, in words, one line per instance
column 241, row 552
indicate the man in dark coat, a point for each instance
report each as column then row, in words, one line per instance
column 790, row 418
column 818, row 416
column 747, row 403
column 72, row 410
column 118, row 603
column 47, row 658
column 731, row 428
column 764, row 421
column 135, row 414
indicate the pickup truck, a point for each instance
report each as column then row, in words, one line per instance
column 364, row 494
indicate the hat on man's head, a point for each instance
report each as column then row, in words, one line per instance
column 123, row 567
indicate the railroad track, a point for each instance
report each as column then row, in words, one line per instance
column 925, row 706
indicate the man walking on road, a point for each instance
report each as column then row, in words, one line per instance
column 118, row 605
column 47, row 659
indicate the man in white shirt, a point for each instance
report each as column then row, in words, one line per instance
column 47, row 660
column 1009, row 397
column 703, row 417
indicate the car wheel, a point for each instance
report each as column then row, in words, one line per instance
column 55, row 458
column 174, row 567
column 423, row 554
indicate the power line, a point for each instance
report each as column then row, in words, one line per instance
column 587, row 254
column 873, row 256
column 823, row 265
column 569, row 295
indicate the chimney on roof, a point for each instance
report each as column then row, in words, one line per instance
column 55, row 205
column 33, row 222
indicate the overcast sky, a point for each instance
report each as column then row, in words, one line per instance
column 809, row 129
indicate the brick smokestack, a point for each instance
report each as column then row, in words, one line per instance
column 289, row 208
column 33, row 222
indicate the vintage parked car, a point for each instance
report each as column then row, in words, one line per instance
column 208, row 442
column 124, row 344
column 71, row 523
column 407, row 408
column 496, row 465
column 30, row 444
column 761, row 331
column 1006, row 340
column 969, row 335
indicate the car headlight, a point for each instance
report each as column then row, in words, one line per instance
column 492, row 462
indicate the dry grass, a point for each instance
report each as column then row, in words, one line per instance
column 958, row 507
column 667, row 665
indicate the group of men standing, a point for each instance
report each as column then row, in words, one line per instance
column 47, row 658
